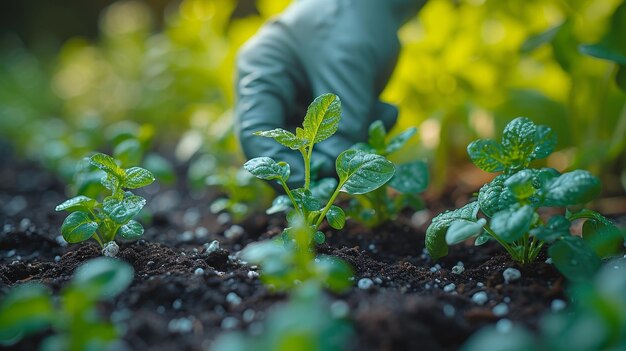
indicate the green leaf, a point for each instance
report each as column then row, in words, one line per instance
column 281, row 203
column 103, row 277
column 25, row 310
column 268, row 169
column 322, row 118
column 572, row 257
column 111, row 182
column 319, row 238
column 545, row 141
column 571, row 188
column 137, row 177
column 603, row 51
column 557, row 227
column 336, row 217
column 78, row 227
column 131, row 230
column 121, row 211
column 283, row 137
column 511, row 224
column 487, row 155
column 494, row 196
column 377, row 135
column 533, row 42
column 436, row 232
column 462, row 230
column 107, row 164
column 399, row 140
column 360, row 172
column 78, row 203
column 519, row 141
column 410, row 178
column 482, row 239
column 605, row 239
column 305, row 199
column 521, row 184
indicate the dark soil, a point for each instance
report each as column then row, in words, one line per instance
column 406, row 309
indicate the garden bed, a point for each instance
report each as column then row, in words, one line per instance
column 182, row 297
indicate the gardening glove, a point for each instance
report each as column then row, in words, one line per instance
column 345, row 47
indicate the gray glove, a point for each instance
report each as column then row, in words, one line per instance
column 345, row 47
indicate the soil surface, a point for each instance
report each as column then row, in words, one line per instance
column 412, row 304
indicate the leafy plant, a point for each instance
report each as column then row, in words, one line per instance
column 242, row 193
column 510, row 203
column 306, row 322
column 409, row 179
column 103, row 221
column 359, row 172
column 595, row 320
column 29, row 309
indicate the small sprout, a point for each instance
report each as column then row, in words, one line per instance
column 365, row 283
column 410, row 179
column 480, row 298
column 500, row 309
column 509, row 206
column 359, row 172
column 511, row 274
column 103, row 221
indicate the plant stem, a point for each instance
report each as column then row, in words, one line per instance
column 504, row 244
column 293, row 201
column 327, row 207
column 306, row 156
column 98, row 239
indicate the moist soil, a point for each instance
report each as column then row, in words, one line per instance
column 410, row 306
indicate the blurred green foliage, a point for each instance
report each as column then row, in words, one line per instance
column 467, row 68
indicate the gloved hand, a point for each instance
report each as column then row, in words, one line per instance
column 345, row 47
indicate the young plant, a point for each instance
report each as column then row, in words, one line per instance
column 29, row 309
column 510, row 204
column 103, row 221
column 377, row 207
column 359, row 172
column 243, row 194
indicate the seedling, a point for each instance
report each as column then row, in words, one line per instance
column 377, row 207
column 243, row 193
column 359, row 172
column 29, row 309
column 510, row 203
column 103, row 221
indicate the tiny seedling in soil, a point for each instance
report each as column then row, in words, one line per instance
column 359, row 172
column 377, row 206
column 510, row 204
column 103, row 221
column 30, row 309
